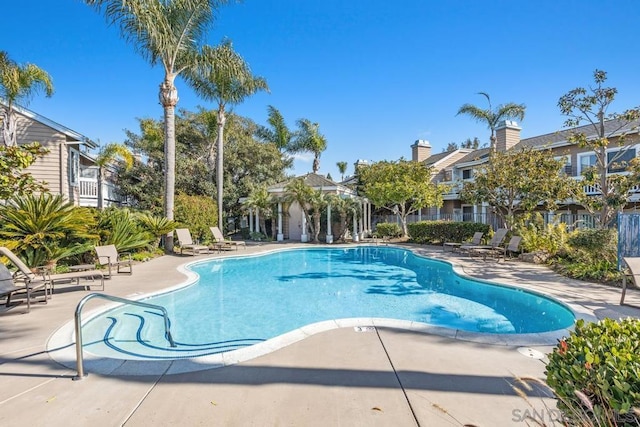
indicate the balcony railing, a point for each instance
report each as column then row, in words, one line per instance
column 88, row 192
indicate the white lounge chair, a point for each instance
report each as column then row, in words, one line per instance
column 218, row 238
column 633, row 273
column 108, row 255
column 186, row 242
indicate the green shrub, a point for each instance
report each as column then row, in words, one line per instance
column 538, row 236
column 388, row 230
column 197, row 213
column 430, row 232
column 595, row 373
column 590, row 255
column 122, row 228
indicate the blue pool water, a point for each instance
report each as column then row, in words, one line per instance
column 238, row 302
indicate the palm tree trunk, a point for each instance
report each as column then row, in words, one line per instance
column 220, row 170
column 100, row 196
column 169, row 100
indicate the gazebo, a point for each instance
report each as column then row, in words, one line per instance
column 292, row 225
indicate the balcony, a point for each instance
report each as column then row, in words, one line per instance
column 88, row 192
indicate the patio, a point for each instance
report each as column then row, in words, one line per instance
column 377, row 377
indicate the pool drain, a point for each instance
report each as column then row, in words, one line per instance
column 364, row 328
column 531, row 352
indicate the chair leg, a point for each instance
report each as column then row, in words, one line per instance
column 624, row 289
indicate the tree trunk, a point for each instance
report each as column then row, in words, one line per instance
column 169, row 100
column 316, row 227
column 100, row 196
column 9, row 127
column 220, row 170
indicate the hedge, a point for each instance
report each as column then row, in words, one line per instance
column 436, row 232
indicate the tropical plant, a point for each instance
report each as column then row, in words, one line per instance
column 401, row 187
column 157, row 226
column 224, row 77
column 514, row 182
column 262, row 202
column 13, row 161
column 594, row 372
column 279, row 134
column 19, row 83
column 342, row 207
column 121, row 227
column 582, row 105
column 309, row 139
column 318, row 202
column 342, row 168
column 298, row 191
column 107, row 155
column 492, row 117
column 166, row 32
column 45, row 228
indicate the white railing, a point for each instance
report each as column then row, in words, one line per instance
column 88, row 192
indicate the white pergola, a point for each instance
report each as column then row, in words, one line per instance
column 361, row 223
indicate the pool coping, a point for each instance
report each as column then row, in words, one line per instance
column 61, row 343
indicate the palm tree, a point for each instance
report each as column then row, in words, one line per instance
column 225, row 78
column 342, row 168
column 298, row 191
column 308, row 138
column 165, row 32
column 279, row 134
column 262, row 202
column 19, row 83
column 107, row 155
column 492, row 117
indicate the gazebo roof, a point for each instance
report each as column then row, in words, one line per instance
column 315, row 181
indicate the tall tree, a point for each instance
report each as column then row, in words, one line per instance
column 342, row 168
column 492, row 117
column 401, row 187
column 309, row 139
column 225, row 78
column 19, row 83
column 519, row 181
column 107, row 155
column 260, row 200
column 590, row 106
column 278, row 133
column 169, row 33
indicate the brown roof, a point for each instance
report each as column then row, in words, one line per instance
column 313, row 180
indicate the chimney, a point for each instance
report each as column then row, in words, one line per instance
column 507, row 135
column 420, row 150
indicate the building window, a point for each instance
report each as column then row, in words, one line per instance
column 566, row 169
column 74, row 167
column 466, row 174
column 619, row 161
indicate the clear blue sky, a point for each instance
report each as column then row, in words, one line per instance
column 376, row 75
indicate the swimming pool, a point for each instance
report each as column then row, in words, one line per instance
column 241, row 301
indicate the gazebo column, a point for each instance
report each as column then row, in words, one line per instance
column 280, row 236
column 329, row 234
column 250, row 220
column 364, row 213
column 257, row 221
column 355, row 227
column 304, row 238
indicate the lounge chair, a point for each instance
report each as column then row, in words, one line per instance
column 494, row 243
column 44, row 274
column 186, row 242
column 512, row 247
column 633, row 273
column 220, row 240
column 475, row 241
column 108, row 255
column 9, row 285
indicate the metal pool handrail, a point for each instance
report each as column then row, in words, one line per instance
column 78, row 325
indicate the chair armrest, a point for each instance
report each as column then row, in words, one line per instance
column 123, row 255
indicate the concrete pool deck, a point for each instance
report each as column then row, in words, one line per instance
column 378, row 377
